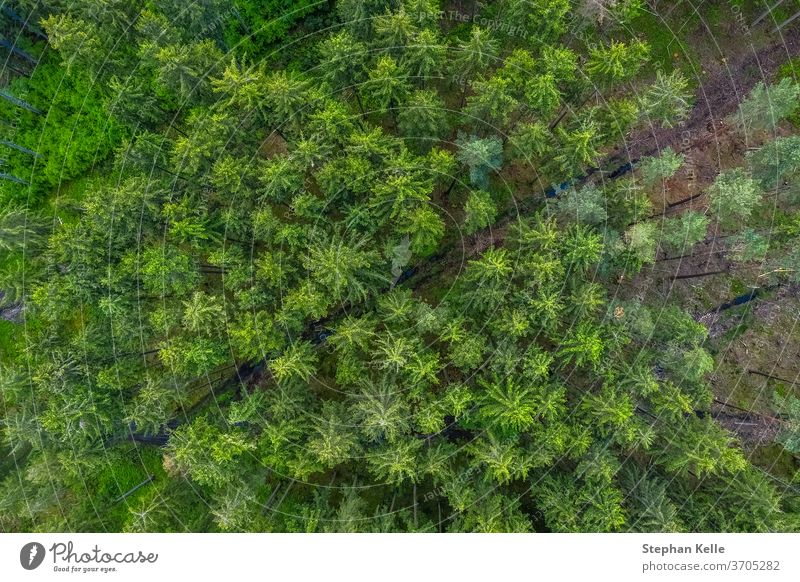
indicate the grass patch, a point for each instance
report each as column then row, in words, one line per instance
column 666, row 40
column 8, row 340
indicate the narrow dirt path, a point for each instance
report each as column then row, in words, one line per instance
column 717, row 97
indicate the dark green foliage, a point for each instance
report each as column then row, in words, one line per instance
column 317, row 287
column 254, row 26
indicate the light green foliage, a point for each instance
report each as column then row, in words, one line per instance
column 668, row 100
column 206, row 452
column 387, row 85
column 480, row 211
column 653, row 170
column 482, row 156
column 263, row 298
column 73, row 134
column 734, row 195
column 617, row 61
column 586, row 205
column 766, row 106
column 680, row 234
column 423, row 119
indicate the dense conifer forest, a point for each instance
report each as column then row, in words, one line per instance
column 400, row 266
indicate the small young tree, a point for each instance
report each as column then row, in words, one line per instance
column 393, row 30
column 207, row 453
column 476, row 55
column 286, row 96
column 530, row 141
column 577, row 148
column 789, row 436
column 545, row 20
column 387, row 85
column 359, row 15
column 680, row 234
column 617, row 61
column 423, row 119
column 777, row 163
column 586, row 206
column 507, row 407
column 482, row 156
column 426, row 229
column 748, row 245
column 642, row 241
column 424, row 56
column 344, row 268
column 492, row 103
column 668, row 100
column 581, row 247
column 542, row 94
column 480, row 211
column 655, row 169
column 766, row 106
column 342, row 61
column 734, row 195
column 582, row 345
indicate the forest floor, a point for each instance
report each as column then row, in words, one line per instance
column 762, row 335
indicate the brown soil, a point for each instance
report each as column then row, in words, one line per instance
column 725, row 86
column 752, row 429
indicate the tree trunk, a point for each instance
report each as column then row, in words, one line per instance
column 697, row 275
column 450, row 187
column 23, row 22
column 731, row 406
column 10, row 178
column 19, row 72
column 272, row 497
column 771, row 377
column 686, row 256
column 176, row 128
column 415, row 503
column 173, row 174
column 19, row 148
column 558, row 119
column 561, row 117
column 685, row 200
column 792, row 18
column 360, row 104
column 12, row 48
column 767, row 12
column 19, row 102
column 135, row 488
